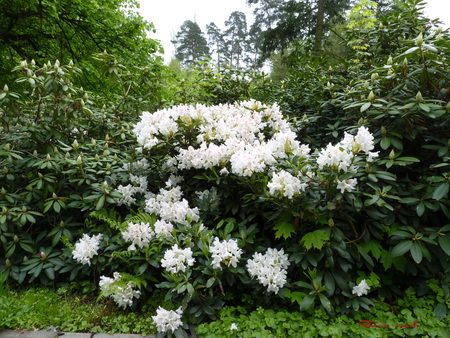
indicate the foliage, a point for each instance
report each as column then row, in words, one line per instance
column 408, row 317
column 60, row 152
column 73, row 30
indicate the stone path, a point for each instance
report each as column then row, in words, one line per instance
column 50, row 334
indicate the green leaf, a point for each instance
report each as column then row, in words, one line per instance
column 401, row 248
column 325, row 302
column 440, row 311
column 315, row 239
column 444, row 242
column 420, row 209
column 365, row 106
column 284, row 229
column 441, row 191
column 100, row 203
column 416, row 252
column 385, row 143
column 210, row 282
column 411, row 50
column 424, row 107
column 307, row 302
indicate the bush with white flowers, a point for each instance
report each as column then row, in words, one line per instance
column 219, row 168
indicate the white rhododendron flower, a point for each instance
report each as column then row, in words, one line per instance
column 361, row 289
column 347, row 185
column 226, row 252
column 247, row 136
column 269, row 269
column 163, row 229
column 285, row 184
column 86, row 248
column 233, row 326
column 139, row 234
column 121, row 294
column 168, row 207
column 176, row 260
column 341, row 156
column 168, row 320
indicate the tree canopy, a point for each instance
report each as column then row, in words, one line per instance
column 66, row 30
column 191, row 44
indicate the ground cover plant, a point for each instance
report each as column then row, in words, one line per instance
column 323, row 196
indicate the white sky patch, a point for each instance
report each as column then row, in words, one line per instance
column 169, row 15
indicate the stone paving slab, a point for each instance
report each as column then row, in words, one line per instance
column 54, row 334
column 30, row 334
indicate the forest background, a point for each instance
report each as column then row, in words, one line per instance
column 337, row 179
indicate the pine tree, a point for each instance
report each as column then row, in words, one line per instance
column 191, row 45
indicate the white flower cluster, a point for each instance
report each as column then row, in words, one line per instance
column 139, row 183
column 128, row 191
column 347, row 185
column 168, row 320
column 122, row 295
column 226, row 252
column 341, row 156
column 176, row 259
column 249, row 136
column 86, row 248
column 285, row 184
column 361, row 289
column 269, row 269
column 139, row 234
column 170, row 208
column 163, row 229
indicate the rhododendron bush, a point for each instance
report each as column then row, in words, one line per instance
column 225, row 215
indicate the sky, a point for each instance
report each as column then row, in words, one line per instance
column 168, row 15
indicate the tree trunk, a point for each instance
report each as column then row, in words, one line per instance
column 319, row 26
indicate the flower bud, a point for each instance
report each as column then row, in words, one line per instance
column 7, row 147
column 81, row 102
column 366, row 84
column 390, row 72
column 48, row 158
column 29, row 73
column 105, row 146
column 383, row 131
column 16, row 239
column 392, row 155
column 55, row 150
column 108, row 167
column 79, row 160
column 24, row 64
column 107, row 138
column 62, row 224
column 40, row 176
column 54, row 196
column 56, row 63
column 368, row 168
column 405, row 62
column 33, row 63
column 24, row 209
column 85, row 97
column 8, row 263
column 389, row 61
column 96, row 158
column 371, row 96
column 49, row 65
column 374, row 76
column 25, row 259
column 331, row 223
column 75, row 145
column 70, row 63
column 116, row 158
column 419, row 40
column 105, row 185
column 42, row 255
column 6, row 88
column 447, row 107
column 2, row 191
column 419, row 96
column 67, row 155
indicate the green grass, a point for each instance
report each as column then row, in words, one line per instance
column 42, row 308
